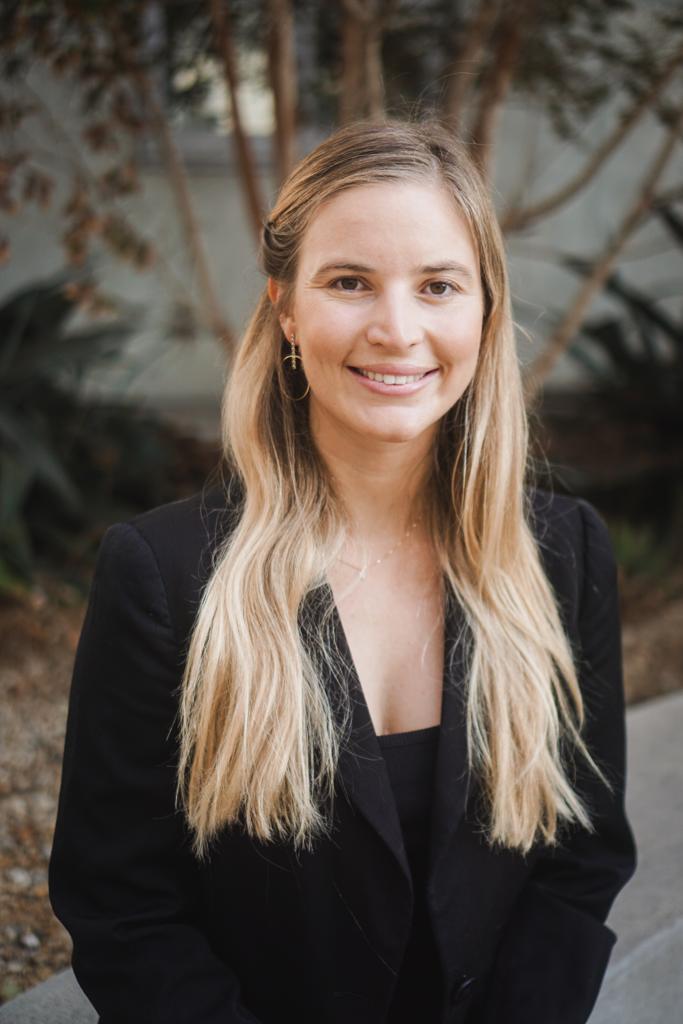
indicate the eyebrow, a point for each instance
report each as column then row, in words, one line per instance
column 361, row 268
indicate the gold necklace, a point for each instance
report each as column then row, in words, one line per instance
column 363, row 572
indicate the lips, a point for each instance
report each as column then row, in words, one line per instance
column 413, row 376
column 392, row 378
column 395, row 387
column 396, row 369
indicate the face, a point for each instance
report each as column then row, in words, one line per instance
column 387, row 312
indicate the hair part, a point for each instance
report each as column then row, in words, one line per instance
column 259, row 735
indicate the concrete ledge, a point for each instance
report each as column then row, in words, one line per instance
column 59, row 1000
column 647, row 984
column 644, row 982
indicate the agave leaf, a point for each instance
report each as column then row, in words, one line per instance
column 32, row 314
column 11, row 583
column 645, row 307
column 16, row 549
column 15, row 479
column 40, row 459
column 634, row 299
column 581, row 354
column 672, row 221
column 611, row 337
column 75, row 350
column 644, row 330
column 11, row 332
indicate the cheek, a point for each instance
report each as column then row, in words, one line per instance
column 325, row 355
column 327, row 341
column 464, row 342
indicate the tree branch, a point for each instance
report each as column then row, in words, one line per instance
column 571, row 321
column 670, row 195
column 497, row 85
column 514, row 220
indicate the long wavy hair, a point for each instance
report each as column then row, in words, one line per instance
column 260, row 732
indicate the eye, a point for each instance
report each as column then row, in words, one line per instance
column 344, row 281
column 444, row 285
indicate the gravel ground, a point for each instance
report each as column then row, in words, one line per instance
column 38, row 640
column 38, row 643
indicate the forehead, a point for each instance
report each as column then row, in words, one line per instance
column 388, row 222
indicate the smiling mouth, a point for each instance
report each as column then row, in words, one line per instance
column 392, row 378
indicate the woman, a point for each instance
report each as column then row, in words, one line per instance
column 346, row 736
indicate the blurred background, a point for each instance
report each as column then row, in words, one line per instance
column 141, row 145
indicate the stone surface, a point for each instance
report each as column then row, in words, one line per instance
column 644, row 983
column 59, row 1000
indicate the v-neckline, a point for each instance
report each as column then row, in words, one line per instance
column 353, row 668
column 363, row 773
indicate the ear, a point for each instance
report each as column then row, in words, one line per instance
column 286, row 322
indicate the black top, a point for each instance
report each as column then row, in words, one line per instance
column 410, row 758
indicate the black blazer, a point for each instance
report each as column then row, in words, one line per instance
column 260, row 934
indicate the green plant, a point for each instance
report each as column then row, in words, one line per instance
column 640, row 550
column 41, row 365
column 635, row 357
column 68, row 463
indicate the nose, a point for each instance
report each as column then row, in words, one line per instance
column 394, row 319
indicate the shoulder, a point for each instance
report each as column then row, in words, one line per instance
column 182, row 530
column 566, row 525
column 575, row 547
column 175, row 543
column 561, row 521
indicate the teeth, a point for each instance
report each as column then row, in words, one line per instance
column 391, row 378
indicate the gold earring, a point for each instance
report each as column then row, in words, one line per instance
column 293, row 354
column 292, row 357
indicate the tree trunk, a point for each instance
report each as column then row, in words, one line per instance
column 245, row 158
column 362, row 82
column 352, row 96
column 498, row 81
column 177, row 176
column 283, row 81
column 467, row 62
column 373, row 71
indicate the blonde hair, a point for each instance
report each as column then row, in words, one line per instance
column 259, row 737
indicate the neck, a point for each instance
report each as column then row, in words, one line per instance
column 380, row 483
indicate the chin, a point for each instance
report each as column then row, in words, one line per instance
column 396, row 433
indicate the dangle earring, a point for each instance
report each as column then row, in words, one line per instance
column 292, row 357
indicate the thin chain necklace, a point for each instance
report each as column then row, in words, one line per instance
column 363, row 572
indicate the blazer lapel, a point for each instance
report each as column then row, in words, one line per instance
column 362, row 771
column 452, row 777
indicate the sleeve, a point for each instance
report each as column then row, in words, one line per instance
column 122, row 878
column 554, row 951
